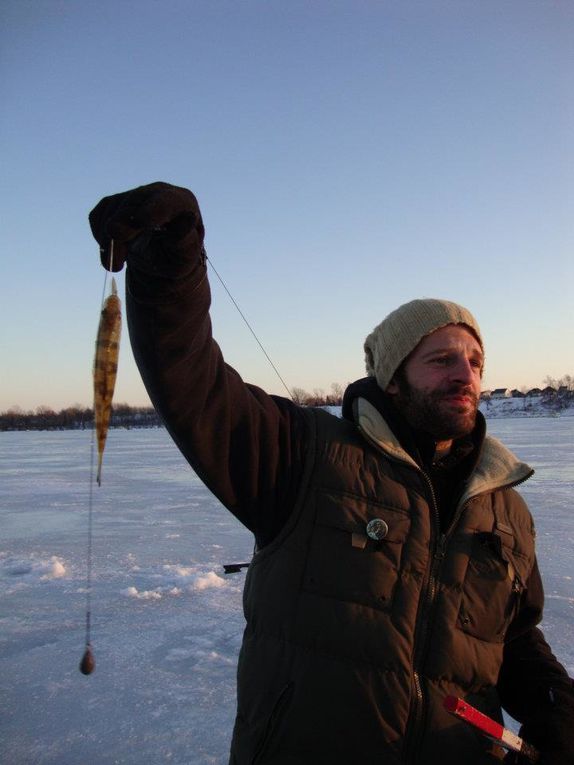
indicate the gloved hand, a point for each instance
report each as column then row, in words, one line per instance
column 159, row 216
column 554, row 749
column 546, row 758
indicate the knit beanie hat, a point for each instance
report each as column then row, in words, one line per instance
column 395, row 337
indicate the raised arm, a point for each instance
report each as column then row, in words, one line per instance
column 247, row 447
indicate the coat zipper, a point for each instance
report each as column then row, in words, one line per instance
column 436, row 553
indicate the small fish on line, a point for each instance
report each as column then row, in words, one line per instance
column 104, row 372
column 105, row 369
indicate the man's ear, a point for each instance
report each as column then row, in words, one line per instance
column 392, row 387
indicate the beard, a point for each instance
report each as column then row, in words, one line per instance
column 433, row 413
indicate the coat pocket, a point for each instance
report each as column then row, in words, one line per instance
column 491, row 589
column 356, row 550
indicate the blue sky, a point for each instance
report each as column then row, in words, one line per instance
column 348, row 156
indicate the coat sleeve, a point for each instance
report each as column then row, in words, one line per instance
column 533, row 686
column 245, row 445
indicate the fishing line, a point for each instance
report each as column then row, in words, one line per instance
column 106, row 272
column 87, row 664
column 248, row 325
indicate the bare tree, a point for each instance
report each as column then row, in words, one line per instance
column 300, row 396
column 566, row 381
column 336, row 397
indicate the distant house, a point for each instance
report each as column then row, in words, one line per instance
column 485, row 394
column 534, row 392
column 501, row 393
column 517, row 393
column 549, row 391
column 563, row 391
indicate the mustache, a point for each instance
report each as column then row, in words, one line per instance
column 460, row 390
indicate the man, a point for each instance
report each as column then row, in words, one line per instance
column 394, row 561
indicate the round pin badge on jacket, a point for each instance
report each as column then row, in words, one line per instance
column 377, row 529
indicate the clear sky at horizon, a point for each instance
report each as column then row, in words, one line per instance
column 348, row 155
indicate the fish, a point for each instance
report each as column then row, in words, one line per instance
column 106, row 368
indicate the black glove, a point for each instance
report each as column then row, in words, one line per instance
column 157, row 218
column 551, row 730
column 546, row 758
column 555, row 747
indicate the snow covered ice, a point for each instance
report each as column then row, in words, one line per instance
column 166, row 622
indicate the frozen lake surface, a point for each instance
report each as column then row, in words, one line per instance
column 167, row 623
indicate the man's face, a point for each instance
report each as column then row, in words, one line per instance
column 439, row 389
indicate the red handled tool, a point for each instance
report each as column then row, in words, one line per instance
column 490, row 728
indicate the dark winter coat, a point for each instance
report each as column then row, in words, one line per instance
column 351, row 644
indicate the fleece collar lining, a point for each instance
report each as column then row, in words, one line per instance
column 497, row 466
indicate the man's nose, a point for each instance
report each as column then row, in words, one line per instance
column 463, row 371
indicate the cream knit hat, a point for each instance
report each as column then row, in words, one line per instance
column 396, row 336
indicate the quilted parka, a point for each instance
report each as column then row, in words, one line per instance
column 352, row 643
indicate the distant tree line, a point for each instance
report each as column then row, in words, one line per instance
column 76, row 418
column 566, row 382
column 319, row 397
